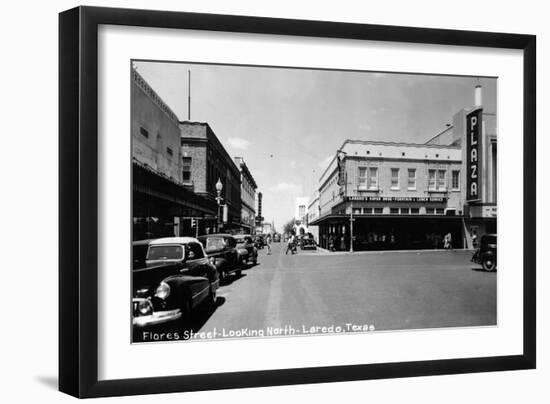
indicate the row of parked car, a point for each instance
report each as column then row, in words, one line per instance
column 174, row 275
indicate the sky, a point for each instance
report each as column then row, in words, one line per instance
column 288, row 123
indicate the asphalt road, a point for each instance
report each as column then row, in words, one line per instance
column 384, row 290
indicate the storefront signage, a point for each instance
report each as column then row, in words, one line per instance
column 473, row 155
column 396, row 198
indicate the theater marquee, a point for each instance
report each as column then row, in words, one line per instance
column 473, row 155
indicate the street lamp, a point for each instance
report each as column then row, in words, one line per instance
column 219, row 187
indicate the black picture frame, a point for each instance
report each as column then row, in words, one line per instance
column 78, row 200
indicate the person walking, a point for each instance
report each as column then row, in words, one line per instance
column 290, row 245
column 268, row 244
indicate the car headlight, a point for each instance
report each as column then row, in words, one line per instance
column 163, row 291
column 142, row 307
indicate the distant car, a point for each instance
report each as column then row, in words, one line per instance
column 308, row 242
column 486, row 254
column 277, row 238
column 176, row 279
column 223, row 253
column 139, row 252
column 248, row 253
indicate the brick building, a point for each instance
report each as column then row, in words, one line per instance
column 248, row 196
column 204, row 162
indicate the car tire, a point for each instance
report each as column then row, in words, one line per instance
column 489, row 264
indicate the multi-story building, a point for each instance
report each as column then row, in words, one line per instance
column 300, row 215
column 404, row 195
column 248, row 196
column 160, row 198
column 205, row 162
column 312, row 214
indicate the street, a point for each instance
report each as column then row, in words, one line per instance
column 300, row 294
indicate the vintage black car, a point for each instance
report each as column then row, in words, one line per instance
column 307, row 242
column 139, row 252
column 222, row 252
column 486, row 254
column 176, row 279
column 248, row 253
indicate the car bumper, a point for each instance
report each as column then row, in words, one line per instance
column 158, row 317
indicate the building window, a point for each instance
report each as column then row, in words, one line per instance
column 373, row 178
column 395, row 178
column 169, row 151
column 405, row 211
column 430, row 211
column 186, row 168
column 144, row 132
column 362, row 182
column 394, row 211
column 301, row 211
column 367, row 211
column 455, row 180
column 378, row 211
column 415, row 211
column 440, row 211
column 437, row 180
column 411, row 179
column 441, row 180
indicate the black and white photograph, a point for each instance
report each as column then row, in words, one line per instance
column 270, row 201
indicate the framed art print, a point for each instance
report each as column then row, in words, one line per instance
column 251, row 201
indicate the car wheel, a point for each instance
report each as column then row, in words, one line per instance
column 489, row 264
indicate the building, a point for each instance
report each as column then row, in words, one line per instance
column 408, row 196
column 313, row 212
column 300, row 215
column 160, row 197
column 248, row 196
column 205, row 162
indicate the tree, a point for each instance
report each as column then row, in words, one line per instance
column 288, row 227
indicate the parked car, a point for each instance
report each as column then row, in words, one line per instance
column 259, row 241
column 486, row 254
column 277, row 237
column 177, row 278
column 139, row 252
column 248, row 253
column 223, row 254
column 308, row 242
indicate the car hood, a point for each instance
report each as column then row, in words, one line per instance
column 147, row 279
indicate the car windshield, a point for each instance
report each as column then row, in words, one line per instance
column 165, row 252
column 214, row 243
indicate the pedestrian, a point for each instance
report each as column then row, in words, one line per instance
column 268, row 244
column 447, row 241
column 331, row 242
column 290, row 245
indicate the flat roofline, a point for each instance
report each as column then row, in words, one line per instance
column 382, row 143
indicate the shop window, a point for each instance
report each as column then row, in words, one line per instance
column 367, row 211
column 411, row 179
column 373, row 178
column 395, row 178
column 455, row 180
column 430, row 211
column 415, row 211
column 378, row 211
column 394, row 211
column 440, row 211
column 405, row 211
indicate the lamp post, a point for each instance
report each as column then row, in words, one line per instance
column 219, row 187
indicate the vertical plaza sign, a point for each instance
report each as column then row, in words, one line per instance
column 474, row 151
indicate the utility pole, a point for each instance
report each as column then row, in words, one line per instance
column 351, row 220
column 188, row 95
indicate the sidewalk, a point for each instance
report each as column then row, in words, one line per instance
column 327, row 252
